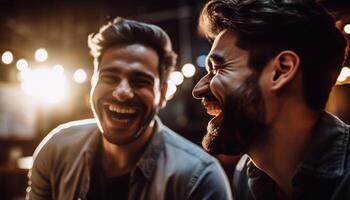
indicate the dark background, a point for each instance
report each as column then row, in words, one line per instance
column 62, row 28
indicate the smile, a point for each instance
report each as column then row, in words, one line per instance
column 121, row 113
column 121, row 109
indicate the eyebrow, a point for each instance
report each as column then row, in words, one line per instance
column 109, row 70
column 137, row 73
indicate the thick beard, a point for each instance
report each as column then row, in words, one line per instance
column 243, row 121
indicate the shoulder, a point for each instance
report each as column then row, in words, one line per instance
column 190, row 161
column 193, row 169
column 180, row 147
column 343, row 190
column 67, row 135
column 58, row 156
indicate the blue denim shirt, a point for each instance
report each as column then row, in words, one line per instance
column 324, row 174
column 170, row 168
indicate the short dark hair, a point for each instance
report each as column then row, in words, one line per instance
column 266, row 27
column 122, row 31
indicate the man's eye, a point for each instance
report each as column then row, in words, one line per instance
column 213, row 71
column 141, row 82
column 108, row 78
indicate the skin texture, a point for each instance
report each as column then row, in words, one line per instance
column 231, row 93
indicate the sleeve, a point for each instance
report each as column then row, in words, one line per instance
column 39, row 186
column 211, row 184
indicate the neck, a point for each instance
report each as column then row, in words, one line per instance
column 121, row 159
column 284, row 148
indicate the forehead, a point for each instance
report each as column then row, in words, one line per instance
column 129, row 57
column 226, row 39
column 225, row 50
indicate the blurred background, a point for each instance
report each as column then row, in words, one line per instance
column 45, row 71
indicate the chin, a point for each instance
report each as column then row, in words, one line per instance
column 117, row 139
column 218, row 140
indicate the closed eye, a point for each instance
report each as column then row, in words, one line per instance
column 214, row 62
column 213, row 71
column 210, row 68
column 108, row 78
column 142, row 83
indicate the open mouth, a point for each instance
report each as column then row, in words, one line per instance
column 213, row 108
column 121, row 113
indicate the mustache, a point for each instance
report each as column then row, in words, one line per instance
column 208, row 97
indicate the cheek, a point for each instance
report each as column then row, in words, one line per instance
column 218, row 88
column 97, row 92
column 147, row 96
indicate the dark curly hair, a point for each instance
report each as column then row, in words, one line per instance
column 266, row 27
column 122, row 31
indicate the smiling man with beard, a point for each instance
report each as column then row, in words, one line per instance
column 125, row 152
column 270, row 70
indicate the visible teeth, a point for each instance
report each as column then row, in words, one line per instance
column 123, row 110
column 213, row 110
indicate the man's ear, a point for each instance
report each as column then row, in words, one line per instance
column 163, row 90
column 286, row 66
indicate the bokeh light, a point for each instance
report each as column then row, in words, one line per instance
column 22, row 64
column 201, row 60
column 41, row 55
column 58, row 68
column 344, row 74
column 176, row 77
column 347, row 28
column 80, row 76
column 25, row 162
column 7, row 57
column 188, row 70
column 171, row 90
column 49, row 85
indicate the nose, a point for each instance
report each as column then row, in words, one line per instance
column 123, row 91
column 202, row 87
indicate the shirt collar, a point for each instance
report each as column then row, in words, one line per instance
column 328, row 149
column 148, row 161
